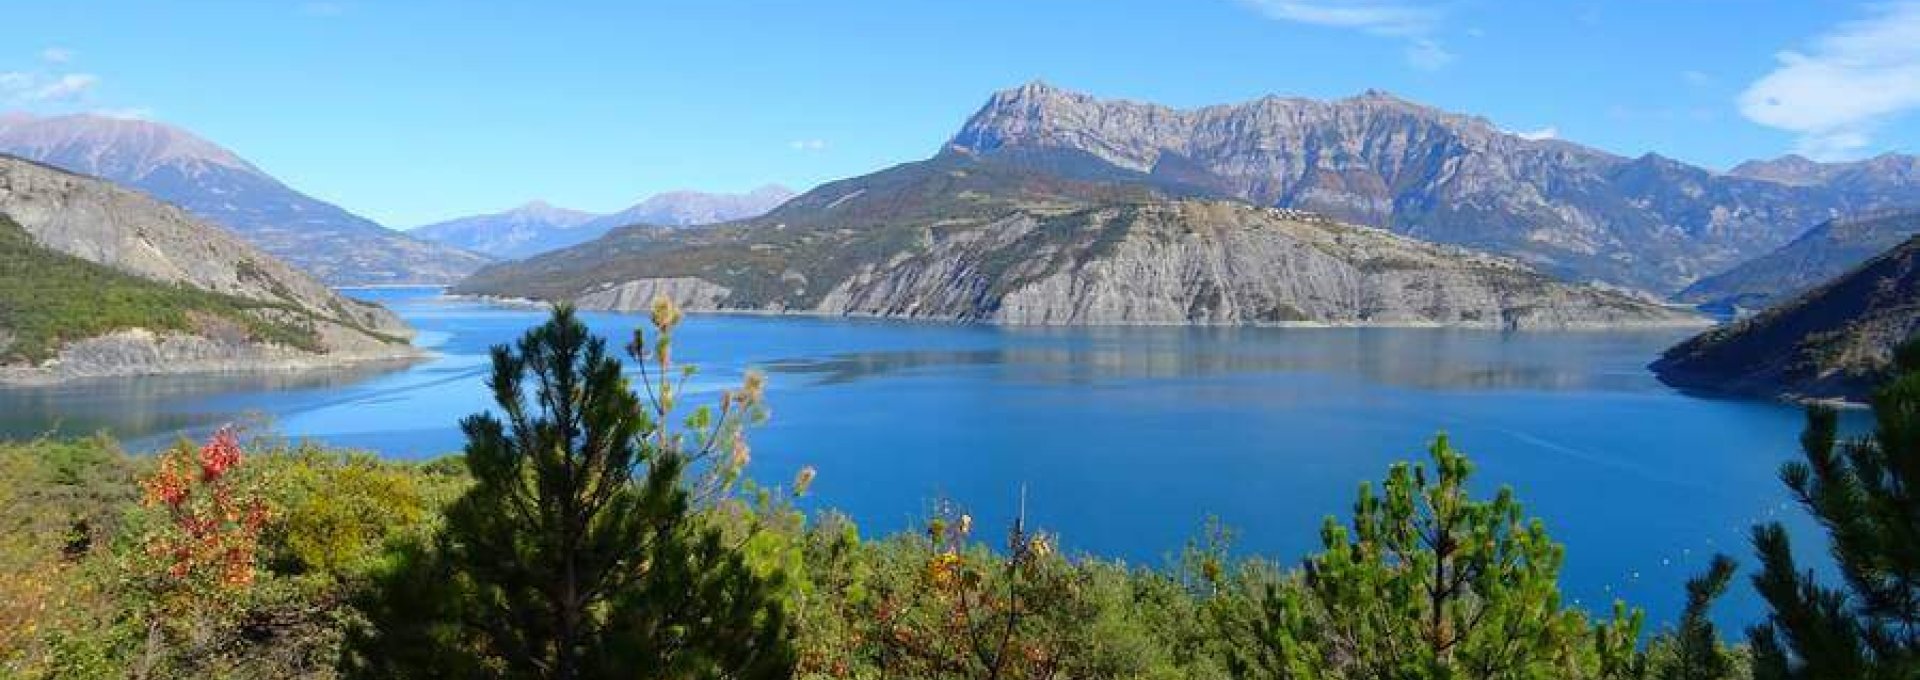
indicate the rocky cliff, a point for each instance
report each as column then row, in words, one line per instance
column 959, row 238
column 1834, row 341
column 219, row 186
column 1576, row 212
column 213, row 300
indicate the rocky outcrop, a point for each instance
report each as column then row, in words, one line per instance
column 219, row 186
column 1576, row 212
column 1835, row 341
column 687, row 292
column 86, row 220
column 139, row 352
column 1177, row 262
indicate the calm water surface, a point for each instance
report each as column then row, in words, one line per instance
column 1126, row 439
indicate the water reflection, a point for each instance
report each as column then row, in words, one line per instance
column 133, row 408
column 1407, row 358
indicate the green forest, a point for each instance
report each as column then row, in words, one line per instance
column 602, row 524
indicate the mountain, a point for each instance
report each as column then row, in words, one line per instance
column 1580, row 213
column 538, row 228
column 1823, row 253
column 689, row 208
column 175, row 166
column 102, row 280
column 961, row 237
column 516, row 233
column 1892, row 176
column 1834, row 341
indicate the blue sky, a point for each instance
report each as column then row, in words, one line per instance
column 409, row 111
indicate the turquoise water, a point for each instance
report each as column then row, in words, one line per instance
column 1125, row 439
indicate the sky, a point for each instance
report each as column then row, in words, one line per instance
column 413, row 111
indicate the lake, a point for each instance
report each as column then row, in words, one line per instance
column 1125, row 439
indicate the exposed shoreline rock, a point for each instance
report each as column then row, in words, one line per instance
column 141, row 352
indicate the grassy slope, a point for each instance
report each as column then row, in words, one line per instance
column 48, row 299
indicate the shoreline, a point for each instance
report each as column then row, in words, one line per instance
column 28, row 377
column 1697, row 322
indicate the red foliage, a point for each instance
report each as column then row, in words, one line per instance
column 213, row 527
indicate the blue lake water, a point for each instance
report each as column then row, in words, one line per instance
column 1125, row 439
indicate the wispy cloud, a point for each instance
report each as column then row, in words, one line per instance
column 1846, row 83
column 1696, row 78
column 807, row 145
column 19, row 87
column 56, row 55
column 1416, row 24
column 1548, row 132
column 132, row 113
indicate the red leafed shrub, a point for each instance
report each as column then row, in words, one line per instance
column 212, row 524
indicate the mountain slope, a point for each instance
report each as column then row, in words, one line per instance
column 961, row 238
column 107, row 281
column 1833, row 341
column 516, row 233
column 1576, row 212
column 537, row 227
column 219, row 186
column 1823, row 253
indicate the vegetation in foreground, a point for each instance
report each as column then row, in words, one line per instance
column 594, row 532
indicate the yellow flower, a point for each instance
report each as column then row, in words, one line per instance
column 741, row 454
column 802, row 480
column 666, row 314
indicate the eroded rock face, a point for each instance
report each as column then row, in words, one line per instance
column 1187, row 262
column 138, row 352
column 1579, row 213
column 687, row 292
column 128, row 231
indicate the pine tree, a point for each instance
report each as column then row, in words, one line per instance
column 1431, row 583
column 578, row 553
column 1865, row 493
column 1693, row 650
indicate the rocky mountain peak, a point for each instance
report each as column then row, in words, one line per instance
column 111, row 146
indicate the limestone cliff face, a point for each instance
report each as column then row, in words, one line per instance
column 1374, row 159
column 1181, row 262
column 128, row 231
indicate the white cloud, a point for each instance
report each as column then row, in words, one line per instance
column 1548, row 132
column 56, row 55
column 1402, row 19
column 132, row 113
column 1696, row 78
column 26, row 88
column 1847, row 82
column 65, row 88
column 807, row 144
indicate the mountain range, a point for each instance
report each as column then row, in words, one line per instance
column 1577, row 212
column 218, row 185
column 97, row 279
column 971, row 238
column 1825, row 252
column 538, row 227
